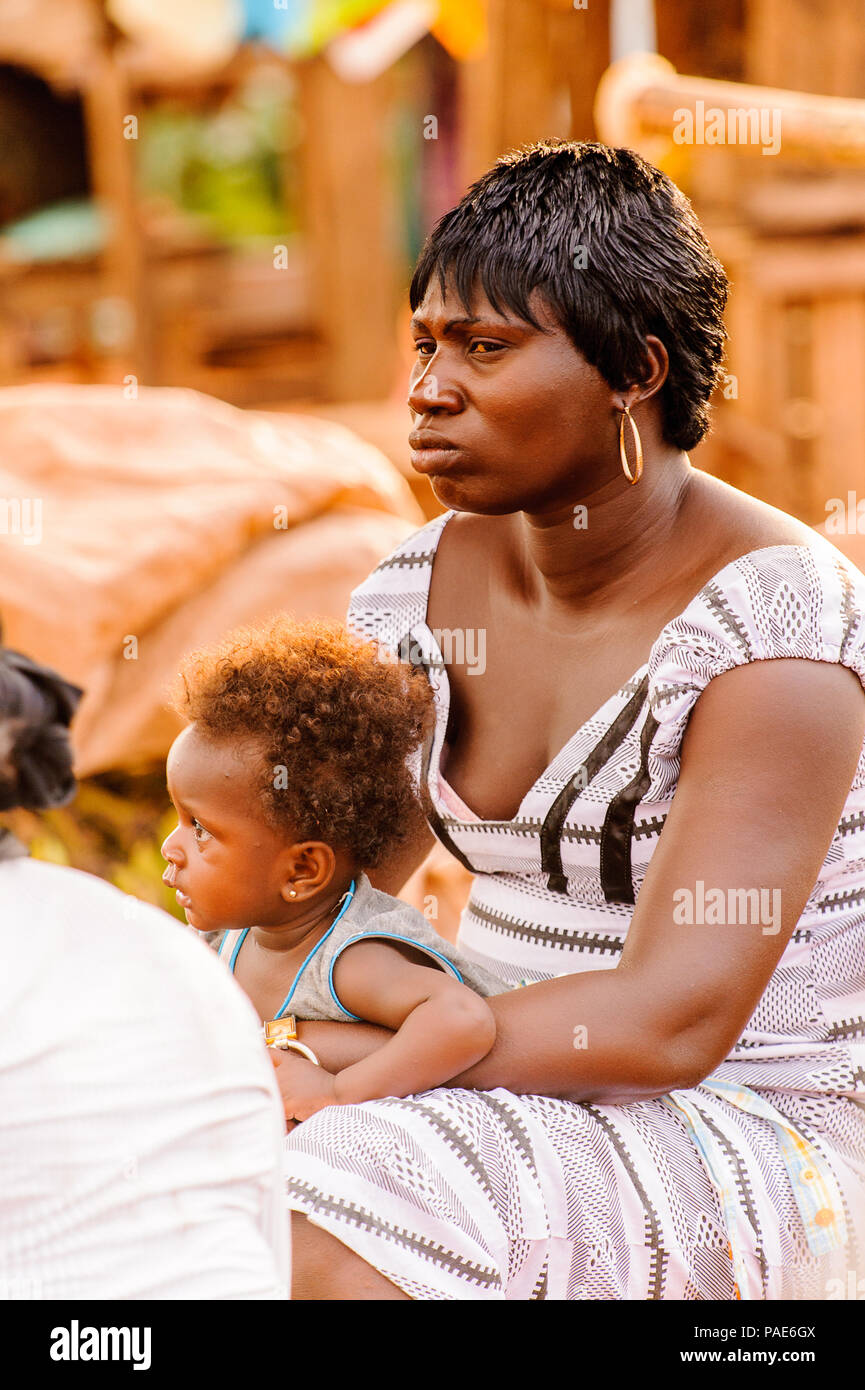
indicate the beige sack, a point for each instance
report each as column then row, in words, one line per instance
column 146, row 527
column 133, row 530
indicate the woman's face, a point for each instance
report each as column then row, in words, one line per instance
column 525, row 423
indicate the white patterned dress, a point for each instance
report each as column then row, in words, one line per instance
column 749, row 1185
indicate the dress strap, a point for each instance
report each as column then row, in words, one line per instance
column 239, row 938
column 345, row 900
column 429, row 808
column 618, row 831
column 551, row 831
column 346, row 903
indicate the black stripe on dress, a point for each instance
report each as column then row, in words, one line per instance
column 618, row 828
column 434, row 819
column 551, row 831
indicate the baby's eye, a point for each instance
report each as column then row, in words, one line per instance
column 198, row 830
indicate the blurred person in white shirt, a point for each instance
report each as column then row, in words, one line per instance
column 141, row 1129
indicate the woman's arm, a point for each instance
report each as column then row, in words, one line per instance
column 766, row 765
column 442, row 1028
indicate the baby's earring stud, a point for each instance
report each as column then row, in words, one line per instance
column 292, row 893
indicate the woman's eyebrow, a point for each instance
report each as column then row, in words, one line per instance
column 464, row 322
column 451, row 323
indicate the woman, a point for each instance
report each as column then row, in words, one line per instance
column 132, row 1166
column 656, row 776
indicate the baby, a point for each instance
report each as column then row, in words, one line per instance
column 290, row 782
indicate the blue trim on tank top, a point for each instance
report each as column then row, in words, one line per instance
column 288, row 998
column 378, row 936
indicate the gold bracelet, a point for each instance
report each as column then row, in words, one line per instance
column 293, row 1045
column 282, row 1033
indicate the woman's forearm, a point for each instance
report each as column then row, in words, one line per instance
column 597, row 1036
column 341, row 1045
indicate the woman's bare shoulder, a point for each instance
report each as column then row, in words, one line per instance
column 465, row 545
column 742, row 522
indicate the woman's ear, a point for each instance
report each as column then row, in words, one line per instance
column 657, row 371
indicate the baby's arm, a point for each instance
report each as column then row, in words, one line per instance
column 441, row 1028
column 441, row 1025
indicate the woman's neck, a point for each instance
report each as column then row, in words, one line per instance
column 603, row 549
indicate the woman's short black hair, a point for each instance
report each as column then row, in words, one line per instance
column 616, row 250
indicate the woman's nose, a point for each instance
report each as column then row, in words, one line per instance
column 430, row 390
column 170, row 849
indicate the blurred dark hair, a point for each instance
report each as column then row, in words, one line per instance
column 36, row 708
column 547, row 209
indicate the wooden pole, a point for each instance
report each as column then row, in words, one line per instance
column 641, row 100
column 350, row 227
column 112, row 169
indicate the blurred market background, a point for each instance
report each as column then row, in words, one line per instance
column 209, row 212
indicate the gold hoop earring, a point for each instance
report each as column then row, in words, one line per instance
column 638, row 447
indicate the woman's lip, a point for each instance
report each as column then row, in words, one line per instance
column 433, row 460
column 428, row 439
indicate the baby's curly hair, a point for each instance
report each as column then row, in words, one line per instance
column 335, row 721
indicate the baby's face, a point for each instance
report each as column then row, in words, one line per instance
column 226, row 863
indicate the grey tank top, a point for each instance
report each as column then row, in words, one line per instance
column 369, row 913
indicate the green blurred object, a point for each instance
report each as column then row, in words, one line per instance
column 114, row 828
column 73, row 229
column 228, row 166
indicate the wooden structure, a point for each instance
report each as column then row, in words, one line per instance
column 796, row 435
column 324, row 334
column 187, row 312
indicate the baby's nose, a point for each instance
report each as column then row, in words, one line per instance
column 170, row 849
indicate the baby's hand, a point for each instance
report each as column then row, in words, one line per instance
column 305, row 1088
